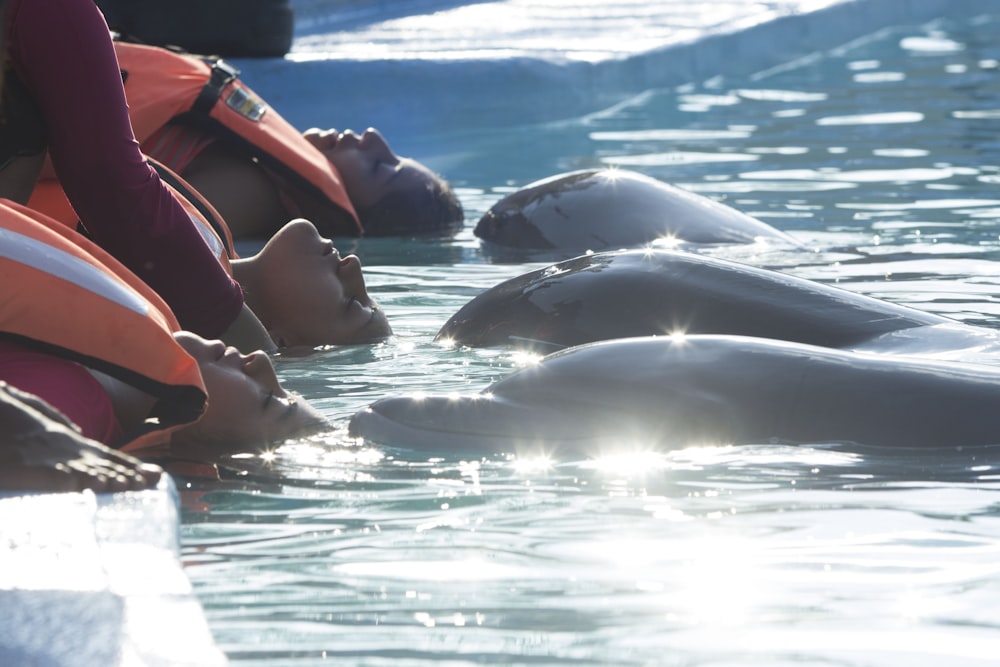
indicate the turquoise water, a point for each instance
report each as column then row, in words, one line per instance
column 883, row 157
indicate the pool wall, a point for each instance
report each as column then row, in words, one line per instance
column 433, row 73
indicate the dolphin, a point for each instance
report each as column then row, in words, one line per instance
column 737, row 354
column 668, row 392
column 659, row 292
column 571, row 213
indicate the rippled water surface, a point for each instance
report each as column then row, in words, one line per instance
column 883, row 157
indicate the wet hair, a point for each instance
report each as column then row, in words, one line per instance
column 423, row 211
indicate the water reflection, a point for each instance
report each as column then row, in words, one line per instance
column 330, row 550
column 598, row 560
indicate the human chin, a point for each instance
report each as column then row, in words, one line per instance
column 306, row 421
column 379, row 327
column 375, row 327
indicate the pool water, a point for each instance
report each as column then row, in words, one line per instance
column 883, row 157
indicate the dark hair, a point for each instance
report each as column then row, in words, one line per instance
column 429, row 210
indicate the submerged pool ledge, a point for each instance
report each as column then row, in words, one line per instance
column 404, row 92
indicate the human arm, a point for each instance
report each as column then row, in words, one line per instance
column 62, row 51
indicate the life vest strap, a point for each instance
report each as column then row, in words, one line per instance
column 223, row 74
column 210, row 215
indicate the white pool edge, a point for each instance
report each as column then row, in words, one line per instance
column 96, row 579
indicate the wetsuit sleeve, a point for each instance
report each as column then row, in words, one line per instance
column 62, row 51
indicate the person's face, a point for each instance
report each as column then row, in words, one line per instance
column 368, row 167
column 315, row 296
column 246, row 403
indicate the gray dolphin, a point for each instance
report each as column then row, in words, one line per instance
column 605, row 209
column 740, row 354
column 665, row 392
column 656, row 292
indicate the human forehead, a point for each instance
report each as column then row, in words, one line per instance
column 195, row 345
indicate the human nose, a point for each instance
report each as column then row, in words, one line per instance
column 373, row 142
column 257, row 366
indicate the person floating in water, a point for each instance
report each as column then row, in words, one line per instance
column 306, row 294
column 84, row 334
column 198, row 118
column 298, row 285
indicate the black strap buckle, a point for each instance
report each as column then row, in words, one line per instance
column 222, row 75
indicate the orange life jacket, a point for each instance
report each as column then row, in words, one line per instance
column 209, row 222
column 66, row 296
column 162, row 85
column 49, row 199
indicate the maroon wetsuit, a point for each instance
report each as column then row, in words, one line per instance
column 65, row 385
column 61, row 51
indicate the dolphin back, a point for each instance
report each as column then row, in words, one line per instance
column 661, row 292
